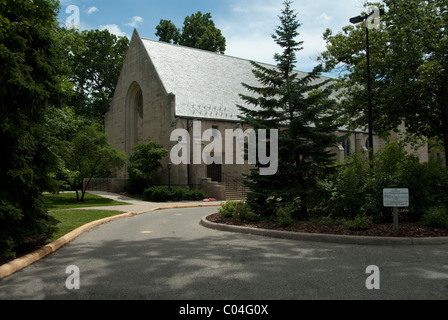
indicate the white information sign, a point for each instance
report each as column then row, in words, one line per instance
column 396, row 198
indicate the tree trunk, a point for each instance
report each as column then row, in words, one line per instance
column 445, row 123
column 83, row 195
column 303, row 200
column 84, row 189
column 304, row 210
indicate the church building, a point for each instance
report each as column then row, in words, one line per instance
column 164, row 87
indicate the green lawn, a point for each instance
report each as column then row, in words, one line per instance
column 62, row 208
column 70, row 220
column 68, row 201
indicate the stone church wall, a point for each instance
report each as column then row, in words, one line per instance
column 142, row 111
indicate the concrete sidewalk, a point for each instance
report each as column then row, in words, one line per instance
column 139, row 206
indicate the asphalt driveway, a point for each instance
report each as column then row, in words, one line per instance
column 168, row 255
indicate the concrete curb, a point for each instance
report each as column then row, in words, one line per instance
column 20, row 263
column 343, row 239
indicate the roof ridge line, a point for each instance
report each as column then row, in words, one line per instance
column 220, row 55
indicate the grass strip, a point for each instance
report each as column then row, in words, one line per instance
column 70, row 220
column 64, row 201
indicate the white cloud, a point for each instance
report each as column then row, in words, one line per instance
column 135, row 22
column 114, row 29
column 324, row 18
column 258, row 48
column 249, row 28
column 251, row 23
column 92, row 10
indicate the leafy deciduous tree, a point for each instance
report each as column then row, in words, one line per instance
column 168, row 32
column 95, row 59
column 409, row 69
column 145, row 160
column 199, row 31
column 88, row 155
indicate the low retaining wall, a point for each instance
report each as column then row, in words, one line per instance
column 111, row 185
column 213, row 189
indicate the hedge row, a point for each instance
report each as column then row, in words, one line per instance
column 164, row 193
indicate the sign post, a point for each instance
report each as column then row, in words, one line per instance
column 396, row 198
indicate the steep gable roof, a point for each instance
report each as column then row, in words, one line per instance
column 207, row 85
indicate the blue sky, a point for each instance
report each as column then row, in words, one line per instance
column 246, row 24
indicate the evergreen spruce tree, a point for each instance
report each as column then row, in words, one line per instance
column 299, row 107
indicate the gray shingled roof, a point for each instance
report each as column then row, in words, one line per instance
column 206, row 85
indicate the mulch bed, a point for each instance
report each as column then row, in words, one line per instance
column 406, row 228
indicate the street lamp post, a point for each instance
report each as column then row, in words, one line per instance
column 169, row 176
column 356, row 20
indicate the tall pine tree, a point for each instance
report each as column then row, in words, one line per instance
column 300, row 108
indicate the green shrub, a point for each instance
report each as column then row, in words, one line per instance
column 285, row 211
column 228, row 209
column 164, row 193
column 239, row 210
column 135, row 186
column 246, row 214
column 361, row 222
column 145, row 161
column 194, row 195
column 284, row 215
column 436, row 217
column 427, row 183
column 343, row 193
column 358, row 183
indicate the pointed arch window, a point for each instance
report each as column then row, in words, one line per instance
column 134, row 115
column 139, row 105
column 346, row 144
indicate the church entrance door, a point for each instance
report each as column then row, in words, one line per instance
column 214, row 172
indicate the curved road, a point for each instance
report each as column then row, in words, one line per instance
column 167, row 255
